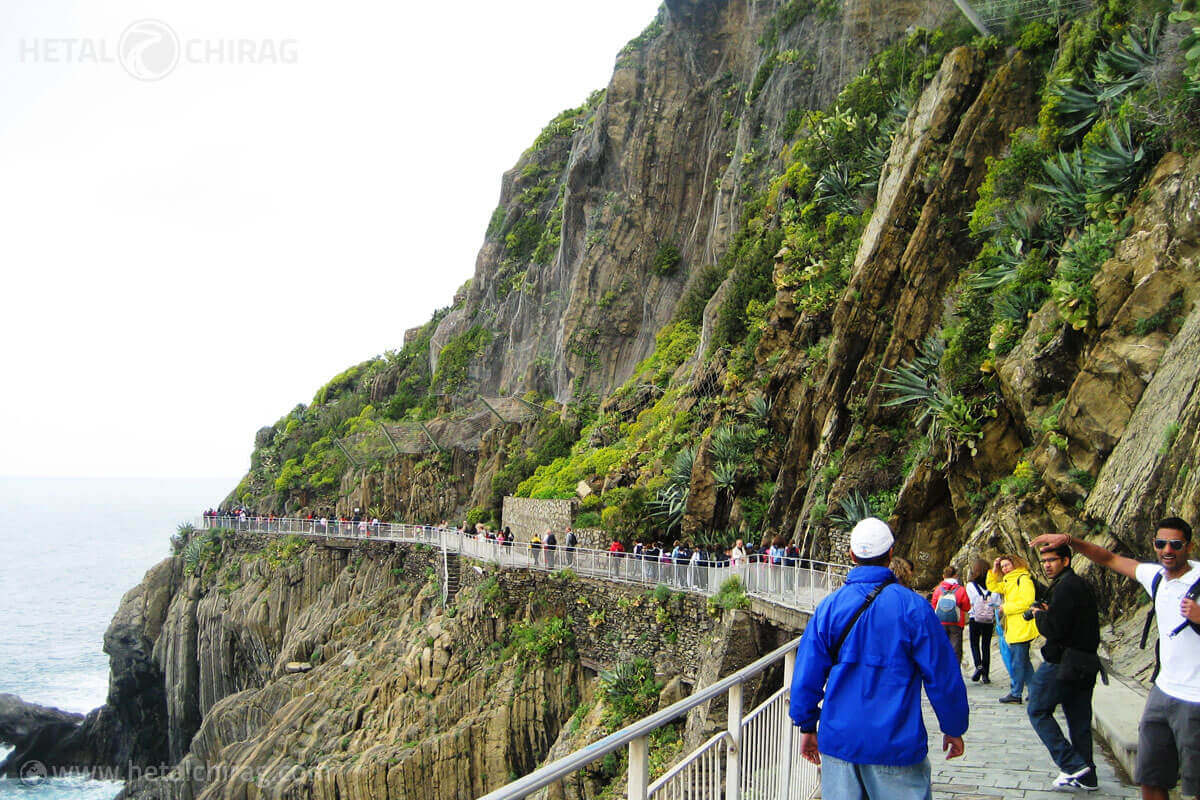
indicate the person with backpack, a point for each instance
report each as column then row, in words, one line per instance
column 572, row 543
column 981, row 620
column 951, row 604
column 1169, row 731
column 1009, row 577
column 860, row 666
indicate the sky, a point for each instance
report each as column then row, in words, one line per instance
column 207, row 210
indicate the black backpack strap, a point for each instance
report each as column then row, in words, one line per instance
column 837, row 646
column 1150, row 614
column 1193, row 593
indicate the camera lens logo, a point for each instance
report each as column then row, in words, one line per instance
column 149, row 49
column 33, row 773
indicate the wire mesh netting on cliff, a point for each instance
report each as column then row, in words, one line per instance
column 998, row 14
column 463, row 429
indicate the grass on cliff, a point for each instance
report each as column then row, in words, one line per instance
column 284, row 551
column 732, row 595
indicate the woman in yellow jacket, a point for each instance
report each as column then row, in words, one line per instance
column 1009, row 577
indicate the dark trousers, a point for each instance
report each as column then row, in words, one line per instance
column 981, row 645
column 1046, row 692
column 955, row 634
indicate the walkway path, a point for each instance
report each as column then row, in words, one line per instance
column 1004, row 757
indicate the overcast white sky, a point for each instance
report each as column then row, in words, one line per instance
column 185, row 259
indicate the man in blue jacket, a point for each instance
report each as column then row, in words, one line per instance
column 866, row 651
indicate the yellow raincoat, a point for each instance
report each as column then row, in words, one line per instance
column 1017, row 590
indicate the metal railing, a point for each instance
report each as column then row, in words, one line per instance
column 992, row 16
column 795, row 583
column 756, row 756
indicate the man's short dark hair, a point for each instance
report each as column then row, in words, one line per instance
column 877, row 561
column 950, row 571
column 1062, row 551
column 1175, row 524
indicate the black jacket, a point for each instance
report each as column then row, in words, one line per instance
column 1073, row 619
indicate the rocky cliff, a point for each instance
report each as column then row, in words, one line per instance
column 798, row 263
column 804, row 261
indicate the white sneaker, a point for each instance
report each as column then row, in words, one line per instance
column 1083, row 779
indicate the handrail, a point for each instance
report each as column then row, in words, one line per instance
column 614, row 741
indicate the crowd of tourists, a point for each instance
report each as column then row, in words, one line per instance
column 874, row 643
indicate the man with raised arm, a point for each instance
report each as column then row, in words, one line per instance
column 866, row 652
column 1169, row 733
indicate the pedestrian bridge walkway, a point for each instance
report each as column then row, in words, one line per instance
column 1004, row 759
column 794, row 584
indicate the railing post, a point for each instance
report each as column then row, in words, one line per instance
column 733, row 760
column 639, row 768
column 785, row 736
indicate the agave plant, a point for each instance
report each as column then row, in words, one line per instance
column 1002, row 265
column 838, row 189
column 855, row 508
column 1078, row 106
column 669, row 506
column 725, row 475
column 1127, row 62
column 953, row 420
column 193, row 552
column 760, row 408
column 1068, row 187
column 681, row 467
column 918, row 381
column 1117, row 163
column 732, row 445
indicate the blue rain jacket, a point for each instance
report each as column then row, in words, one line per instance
column 872, row 696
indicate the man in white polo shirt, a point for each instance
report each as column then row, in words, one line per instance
column 1169, row 733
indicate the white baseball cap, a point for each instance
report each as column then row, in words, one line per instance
column 871, row 537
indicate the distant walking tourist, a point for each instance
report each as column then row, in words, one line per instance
column 548, row 544
column 981, row 620
column 1169, row 733
column 571, row 543
column 1010, row 578
column 1070, row 622
column 866, row 652
column 951, row 604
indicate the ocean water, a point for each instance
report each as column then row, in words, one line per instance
column 69, row 549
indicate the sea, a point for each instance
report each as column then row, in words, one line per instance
column 69, row 549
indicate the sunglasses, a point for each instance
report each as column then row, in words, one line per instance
column 1174, row 544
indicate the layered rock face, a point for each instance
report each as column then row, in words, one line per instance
column 647, row 188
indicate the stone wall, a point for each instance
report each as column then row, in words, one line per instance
column 593, row 538
column 616, row 622
column 526, row 516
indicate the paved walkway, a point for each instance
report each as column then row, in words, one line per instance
column 1004, row 758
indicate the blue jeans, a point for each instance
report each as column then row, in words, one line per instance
column 1045, row 692
column 1022, row 669
column 842, row 780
